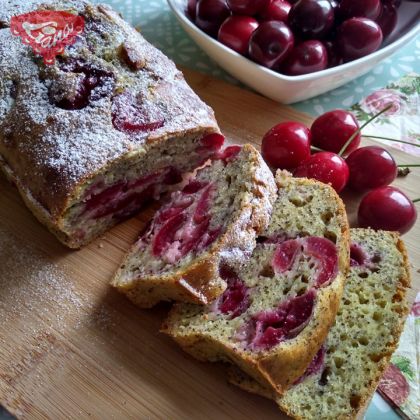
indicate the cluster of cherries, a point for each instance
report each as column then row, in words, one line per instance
column 340, row 163
column 296, row 37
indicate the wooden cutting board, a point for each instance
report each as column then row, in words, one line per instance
column 70, row 346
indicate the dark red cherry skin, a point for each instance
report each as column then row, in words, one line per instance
column 387, row 208
column 191, row 8
column 246, row 7
column 395, row 3
column 331, row 131
column 371, row 167
column 271, row 43
column 359, row 8
column 326, row 167
column 357, row 37
column 286, row 145
column 236, row 32
column 311, row 19
column 334, row 57
column 275, row 10
column 210, row 14
column 307, row 57
column 387, row 19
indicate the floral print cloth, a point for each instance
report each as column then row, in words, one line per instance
column 400, row 384
column 401, row 121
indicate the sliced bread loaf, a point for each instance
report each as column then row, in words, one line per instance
column 279, row 305
column 343, row 376
column 214, row 220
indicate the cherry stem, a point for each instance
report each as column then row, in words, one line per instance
column 416, row 200
column 353, row 136
column 409, row 166
column 387, row 138
column 317, row 149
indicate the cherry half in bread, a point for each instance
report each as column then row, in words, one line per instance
column 359, row 8
column 320, row 251
column 236, row 32
column 387, row 208
column 271, row 43
column 235, row 299
column 275, row 10
column 331, row 131
column 314, row 367
column 246, row 7
column 326, row 167
column 306, row 57
column 130, row 115
column 268, row 328
column 311, row 19
column 286, row 145
column 210, row 146
column 371, row 167
column 210, row 14
column 358, row 37
column 92, row 84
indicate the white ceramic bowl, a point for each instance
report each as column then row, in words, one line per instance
column 290, row 89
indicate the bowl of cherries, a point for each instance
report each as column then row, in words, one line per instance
column 330, row 151
column 291, row 50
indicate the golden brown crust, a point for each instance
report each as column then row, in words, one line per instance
column 199, row 282
column 286, row 363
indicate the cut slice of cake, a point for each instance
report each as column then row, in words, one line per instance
column 212, row 221
column 110, row 126
column 279, row 305
column 345, row 373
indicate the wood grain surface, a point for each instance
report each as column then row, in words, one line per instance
column 71, row 347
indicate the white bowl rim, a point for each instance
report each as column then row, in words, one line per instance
column 306, row 77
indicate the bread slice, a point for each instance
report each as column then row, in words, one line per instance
column 109, row 127
column 279, row 305
column 343, row 377
column 214, row 220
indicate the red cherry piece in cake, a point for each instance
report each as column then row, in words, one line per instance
column 320, row 250
column 166, row 233
column 235, row 299
column 230, row 153
column 213, row 141
column 314, row 367
column 358, row 256
column 269, row 328
column 92, row 83
column 325, row 167
column 332, row 130
column 193, row 186
column 132, row 55
column 203, row 205
column 131, row 115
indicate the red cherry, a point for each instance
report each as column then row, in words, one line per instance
column 271, row 43
column 387, row 208
column 236, row 32
column 246, row 7
column 191, row 8
column 334, row 57
column 275, row 10
column 331, row 131
column 286, row 145
column 358, row 37
column 359, row 8
column 326, row 167
column 311, row 19
column 210, row 14
column 387, row 19
column 307, row 57
column 371, row 167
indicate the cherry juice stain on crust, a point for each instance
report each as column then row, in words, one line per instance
column 321, row 252
column 235, row 300
column 266, row 329
column 131, row 115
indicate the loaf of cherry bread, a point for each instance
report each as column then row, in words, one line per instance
column 108, row 127
column 343, row 376
column 279, row 304
column 214, row 220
